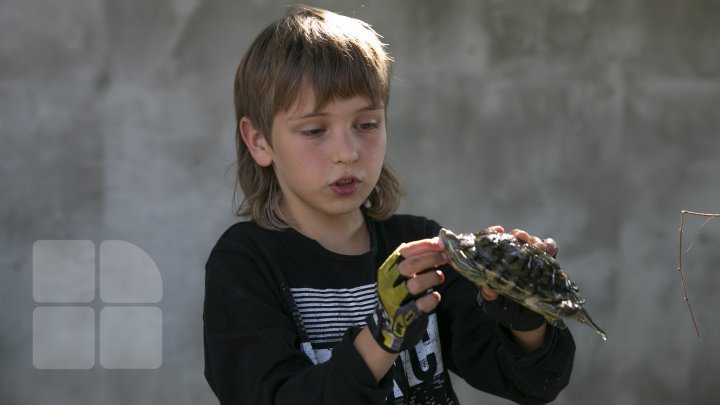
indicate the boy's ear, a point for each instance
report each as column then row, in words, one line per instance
column 255, row 142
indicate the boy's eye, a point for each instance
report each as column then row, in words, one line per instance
column 368, row 126
column 312, row 131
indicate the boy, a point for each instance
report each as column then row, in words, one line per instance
column 301, row 304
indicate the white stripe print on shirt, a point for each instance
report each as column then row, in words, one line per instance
column 327, row 313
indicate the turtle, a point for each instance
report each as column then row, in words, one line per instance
column 519, row 271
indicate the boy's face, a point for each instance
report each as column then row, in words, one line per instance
column 327, row 161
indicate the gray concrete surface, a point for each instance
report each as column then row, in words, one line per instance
column 594, row 122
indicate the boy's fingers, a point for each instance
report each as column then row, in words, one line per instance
column 417, row 247
column 538, row 243
column 422, row 282
column 551, row 247
column 488, row 294
column 520, row 234
column 497, row 228
column 421, row 262
column 428, row 303
column 548, row 245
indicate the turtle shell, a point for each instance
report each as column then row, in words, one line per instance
column 519, row 271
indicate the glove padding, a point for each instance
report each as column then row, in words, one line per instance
column 510, row 314
column 397, row 323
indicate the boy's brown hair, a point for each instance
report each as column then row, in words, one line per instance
column 339, row 57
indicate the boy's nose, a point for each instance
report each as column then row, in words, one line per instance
column 345, row 148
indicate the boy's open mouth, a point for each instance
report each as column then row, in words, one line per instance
column 345, row 185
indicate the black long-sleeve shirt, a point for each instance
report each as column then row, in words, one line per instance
column 281, row 313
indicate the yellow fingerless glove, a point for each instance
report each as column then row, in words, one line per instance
column 397, row 322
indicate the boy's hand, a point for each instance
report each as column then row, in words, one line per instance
column 405, row 290
column 507, row 312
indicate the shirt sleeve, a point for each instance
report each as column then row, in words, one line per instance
column 251, row 344
column 484, row 354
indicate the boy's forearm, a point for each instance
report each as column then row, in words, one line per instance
column 378, row 360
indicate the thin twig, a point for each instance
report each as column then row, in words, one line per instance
column 680, row 250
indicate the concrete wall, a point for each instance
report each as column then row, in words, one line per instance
column 594, row 122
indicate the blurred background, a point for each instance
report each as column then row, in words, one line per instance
column 594, row 122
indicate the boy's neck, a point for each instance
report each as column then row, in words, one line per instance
column 346, row 234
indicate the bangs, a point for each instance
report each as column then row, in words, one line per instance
column 339, row 76
column 344, row 59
